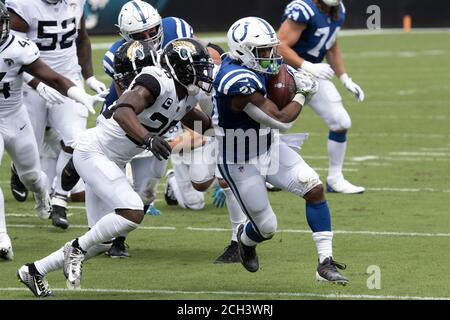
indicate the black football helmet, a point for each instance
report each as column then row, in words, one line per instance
column 4, row 23
column 188, row 61
column 129, row 60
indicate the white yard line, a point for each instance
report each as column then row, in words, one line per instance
column 239, row 293
column 200, row 229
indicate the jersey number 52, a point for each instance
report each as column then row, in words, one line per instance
column 66, row 39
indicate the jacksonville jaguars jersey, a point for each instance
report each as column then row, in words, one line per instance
column 173, row 28
column 157, row 118
column 321, row 30
column 54, row 28
column 236, row 80
column 14, row 53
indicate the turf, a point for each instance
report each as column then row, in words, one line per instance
column 399, row 149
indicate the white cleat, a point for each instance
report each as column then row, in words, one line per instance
column 343, row 186
column 43, row 205
column 73, row 266
column 6, row 251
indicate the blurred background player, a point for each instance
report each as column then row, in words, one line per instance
column 58, row 29
column 17, row 137
column 308, row 34
column 246, row 164
column 121, row 131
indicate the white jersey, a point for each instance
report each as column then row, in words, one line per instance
column 54, row 28
column 14, row 53
column 157, row 118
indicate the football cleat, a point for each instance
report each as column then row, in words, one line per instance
column 43, row 205
column 169, row 195
column 69, row 176
column 230, row 255
column 118, row 249
column 18, row 189
column 151, row 210
column 73, row 265
column 6, row 251
column 59, row 212
column 343, row 186
column 247, row 254
column 272, row 188
column 35, row 282
column 327, row 271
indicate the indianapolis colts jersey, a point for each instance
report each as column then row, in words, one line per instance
column 14, row 53
column 173, row 28
column 234, row 80
column 157, row 118
column 321, row 30
column 54, row 28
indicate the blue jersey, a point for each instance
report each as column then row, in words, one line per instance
column 321, row 30
column 173, row 28
column 236, row 80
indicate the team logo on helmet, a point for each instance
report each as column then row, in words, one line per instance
column 183, row 48
column 135, row 51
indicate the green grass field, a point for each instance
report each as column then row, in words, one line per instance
column 399, row 149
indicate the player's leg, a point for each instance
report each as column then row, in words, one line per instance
column 296, row 176
column 6, row 251
column 179, row 183
column 22, row 149
column 69, row 119
column 249, row 188
column 327, row 103
column 111, row 185
column 49, row 155
column 37, row 111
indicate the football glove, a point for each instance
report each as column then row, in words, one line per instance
column 158, row 146
column 305, row 83
column 95, row 85
column 85, row 99
column 49, row 94
column 319, row 70
column 218, row 197
column 352, row 87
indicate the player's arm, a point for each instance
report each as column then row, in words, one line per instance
column 84, row 53
column 266, row 112
column 336, row 61
column 39, row 69
column 289, row 34
column 197, row 120
column 129, row 105
column 18, row 25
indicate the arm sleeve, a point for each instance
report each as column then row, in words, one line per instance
column 261, row 117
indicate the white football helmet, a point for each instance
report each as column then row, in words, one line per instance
column 254, row 42
column 331, row 3
column 137, row 16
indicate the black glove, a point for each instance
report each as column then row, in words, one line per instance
column 158, row 146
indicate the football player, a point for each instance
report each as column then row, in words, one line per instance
column 250, row 153
column 308, row 35
column 58, row 29
column 157, row 99
column 16, row 133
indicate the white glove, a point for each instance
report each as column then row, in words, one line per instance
column 352, row 87
column 319, row 70
column 95, row 85
column 87, row 100
column 305, row 83
column 49, row 94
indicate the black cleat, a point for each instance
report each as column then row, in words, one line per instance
column 230, row 255
column 69, row 176
column 118, row 249
column 327, row 271
column 18, row 189
column 35, row 282
column 247, row 254
column 59, row 217
column 169, row 195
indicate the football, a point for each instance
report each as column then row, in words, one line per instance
column 281, row 88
